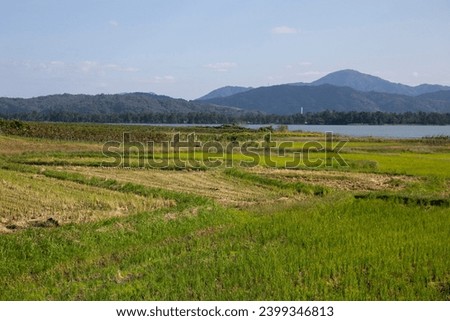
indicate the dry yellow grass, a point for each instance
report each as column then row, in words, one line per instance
column 17, row 145
column 348, row 181
column 30, row 200
column 213, row 184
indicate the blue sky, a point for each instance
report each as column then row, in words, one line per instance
column 188, row 48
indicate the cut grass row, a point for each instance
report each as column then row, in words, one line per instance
column 406, row 163
column 30, row 200
column 111, row 184
column 297, row 186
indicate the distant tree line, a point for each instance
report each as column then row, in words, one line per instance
column 325, row 118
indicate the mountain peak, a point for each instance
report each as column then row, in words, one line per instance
column 344, row 78
column 356, row 80
column 225, row 92
column 366, row 83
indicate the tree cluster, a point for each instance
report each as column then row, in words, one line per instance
column 321, row 118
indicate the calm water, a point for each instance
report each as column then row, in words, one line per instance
column 390, row 131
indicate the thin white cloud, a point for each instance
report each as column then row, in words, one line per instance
column 163, row 79
column 284, row 30
column 57, row 63
column 299, row 64
column 415, row 74
column 85, row 67
column 167, row 79
column 129, row 69
column 113, row 23
column 120, row 68
column 221, row 66
column 311, row 73
column 88, row 66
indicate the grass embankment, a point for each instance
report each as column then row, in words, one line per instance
column 72, row 229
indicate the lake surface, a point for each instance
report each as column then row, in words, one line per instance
column 388, row 131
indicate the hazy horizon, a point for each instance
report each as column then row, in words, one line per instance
column 187, row 49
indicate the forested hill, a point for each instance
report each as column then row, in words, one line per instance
column 350, row 107
column 225, row 92
column 132, row 103
column 365, row 82
column 288, row 99
column 345, row 78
